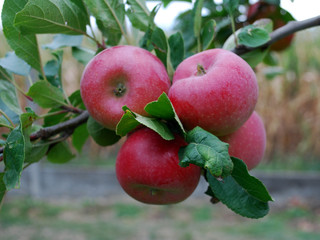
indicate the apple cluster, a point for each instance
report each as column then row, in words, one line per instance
column 215, row 90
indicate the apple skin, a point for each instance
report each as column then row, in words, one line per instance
column 118, row 76
column 147, row 168
column 248, row 142
column 263, row 9
column 220, row 100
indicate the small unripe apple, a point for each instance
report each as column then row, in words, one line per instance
column 147, row 168
column 214, row 89
column 248, row 142
column 118, row 76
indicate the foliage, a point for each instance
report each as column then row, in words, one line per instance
column 31, row 136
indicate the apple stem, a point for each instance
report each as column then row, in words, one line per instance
column 120, row 90
column 200, row 70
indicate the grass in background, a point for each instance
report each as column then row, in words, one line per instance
column 196, row 219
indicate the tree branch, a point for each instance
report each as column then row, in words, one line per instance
column 280, row 33
column 66, row 126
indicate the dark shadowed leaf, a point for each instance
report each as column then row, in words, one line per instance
column 101, row 135
column 176, row 45
column 159, row 42
column 230, row 193
column 83, row 55
column 251, row 184
column 60, row 153
column 80, row 136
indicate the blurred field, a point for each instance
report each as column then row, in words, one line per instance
column 128, row 220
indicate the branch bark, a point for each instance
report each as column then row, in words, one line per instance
column 280, row 33
column 66, row 126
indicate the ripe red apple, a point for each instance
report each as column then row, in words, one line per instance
column 214, row 89
column 263, row 9
column 147, row 168
column 248, row 142
column 118, row 76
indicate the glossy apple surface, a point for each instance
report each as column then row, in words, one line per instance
column 263, row 9
column 248, row 142
column 148, row 170
column 118, row 76
column 214, row 89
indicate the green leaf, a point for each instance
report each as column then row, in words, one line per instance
column 63, row 40
column 13, row 156
column 251, row 184
column 76, row 100
column 207, row 34
column 230, row 193
column 145, row 42
column 46, row 95
column 253, row 58
column 131, row 120
column 52, row 16
column 176, row 45
column 231, row 6
column 252, row 36
column 102, row 136
column 14, row 64
column 264, row 23
column 159, row 42
column 52, row 69
column 9, row 97
column 207, row 151
column 80, row 136
column 109, row 15
column 60, row 153
column 82, row 55
column 138, row 14
column 33, row 151
column 163, row 109
column 3, row 188
column 197, row 17
column 25, row 46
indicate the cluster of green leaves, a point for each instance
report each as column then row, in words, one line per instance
column 69, row 22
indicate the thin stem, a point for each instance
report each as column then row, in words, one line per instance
column 234, row 30
column 52, row 114
column 30, row 80
column 6, row 116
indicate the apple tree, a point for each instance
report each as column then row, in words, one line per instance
column 30, row 134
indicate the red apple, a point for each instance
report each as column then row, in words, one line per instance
column 118, row 76
column 147, row 168
column 263, row 9
column 214, row 89
column 248, row 142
